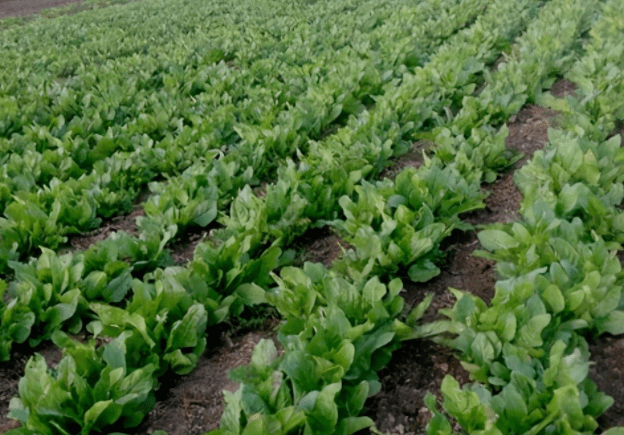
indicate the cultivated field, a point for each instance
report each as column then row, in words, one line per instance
column 312, row 217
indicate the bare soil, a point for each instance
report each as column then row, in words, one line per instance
column 416, row 369
column 10, row 374
column 528, row 132
column 126, row 223
column 608, row 373
column 20, row 8
column 320, row 245
column 420, row 366
column 183, row 250
column 562, row 88
column 193, row 404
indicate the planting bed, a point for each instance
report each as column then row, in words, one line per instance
column 331, row 217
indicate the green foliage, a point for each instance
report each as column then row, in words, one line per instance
column 90, row 389
column 562, row 279
column 53, row 292
column 337, row 335
column 578, row 178
column 115, row 117
column 400, row 224
column 233, row 107
column 556, row 397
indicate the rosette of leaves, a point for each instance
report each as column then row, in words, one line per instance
column 400, row 224
column 91, row 389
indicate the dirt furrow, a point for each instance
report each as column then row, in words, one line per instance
column 420, row 366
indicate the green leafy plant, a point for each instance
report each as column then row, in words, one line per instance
column 401, row 223
column 91, row 389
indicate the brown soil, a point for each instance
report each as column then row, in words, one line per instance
column 528, row 132
column 10, row 374
column 183, row 250
column 193, row 404
column 125, row 223
column 413, row 158
column 608, row 373
column 420, row 366
column 416, row 369
column 19, row 8
column 562, row 88
column 320, row 245
column 461, row 270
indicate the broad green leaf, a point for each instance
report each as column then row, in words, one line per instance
column 423, row 271
column 493, row 240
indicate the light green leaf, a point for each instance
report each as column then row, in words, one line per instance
column 493, row 240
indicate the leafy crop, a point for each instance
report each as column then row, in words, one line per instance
column 264, row 127
column 112, row 138
column 561, row 281
column 401, row 223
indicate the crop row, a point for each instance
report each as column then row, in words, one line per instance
column 350, row 329
column 237, row 267
column 561, row 279
column 249, row 120
column 105, row 271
